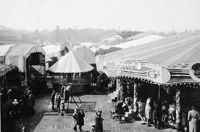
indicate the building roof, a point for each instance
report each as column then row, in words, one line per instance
column 177, row 52
column 182, row 49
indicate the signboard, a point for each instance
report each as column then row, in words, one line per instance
column 139, row 69
column 195, row 71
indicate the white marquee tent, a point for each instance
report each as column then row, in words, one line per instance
column 70, row 63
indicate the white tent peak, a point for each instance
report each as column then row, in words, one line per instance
column 70, row 63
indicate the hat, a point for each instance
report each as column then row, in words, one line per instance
column 99, row 111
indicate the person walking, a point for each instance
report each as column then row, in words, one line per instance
column 193, row 117
column 58, row 101
column 80, row 121
column 75, row 116
column 53, row 99
column 98, row 122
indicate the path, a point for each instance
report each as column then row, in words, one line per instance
column 57, row 123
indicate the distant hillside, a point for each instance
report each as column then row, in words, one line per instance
column 58, row 35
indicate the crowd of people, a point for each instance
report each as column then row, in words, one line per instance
column 15, row 103
column 159, row 113
column 58, row 100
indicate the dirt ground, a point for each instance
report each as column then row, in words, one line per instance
column 47, row 121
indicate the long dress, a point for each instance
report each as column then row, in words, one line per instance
column 98, row 124
column 193, row 117
column 80, row 120
column 148, row 109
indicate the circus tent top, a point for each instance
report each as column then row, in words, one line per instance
column 70, row 63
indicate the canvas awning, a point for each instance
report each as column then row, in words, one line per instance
column 177, row 53
column 70, row 63
column 85, row 53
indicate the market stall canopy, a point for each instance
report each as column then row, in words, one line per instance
column 173, row 53
column 70, row 63
column 17, row 54
column 85, row 53
column 182, row 49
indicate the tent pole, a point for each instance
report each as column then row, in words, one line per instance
column 159, row 90
column 135, row 97
column 45, row 75
column 25, row 70
column 178, row 108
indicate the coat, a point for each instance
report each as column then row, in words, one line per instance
column 75, row 116
column 155, row 111
column 53, row 96
column 80, row 119
column 98, row 124
column 193, row 117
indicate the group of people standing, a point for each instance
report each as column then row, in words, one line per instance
column 156, row 112
column 78, row 117
column 161, row 113
column 153, row 112
column 59, row 98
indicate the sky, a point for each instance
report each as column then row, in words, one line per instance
column 140, row 15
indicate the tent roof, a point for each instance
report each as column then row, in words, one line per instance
column 4, row 49
column 18, row 52
column 139, row 41
column 182, row 49
column 24, row 50
column 86, row 54
column 70, row 63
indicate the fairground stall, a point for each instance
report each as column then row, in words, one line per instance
column 29, row 63
column 89, row 56
column 166, row 69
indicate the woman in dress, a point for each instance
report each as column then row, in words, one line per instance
column 193, row 117
column 148, row 111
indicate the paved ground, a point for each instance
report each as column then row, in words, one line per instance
column 53, row 122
